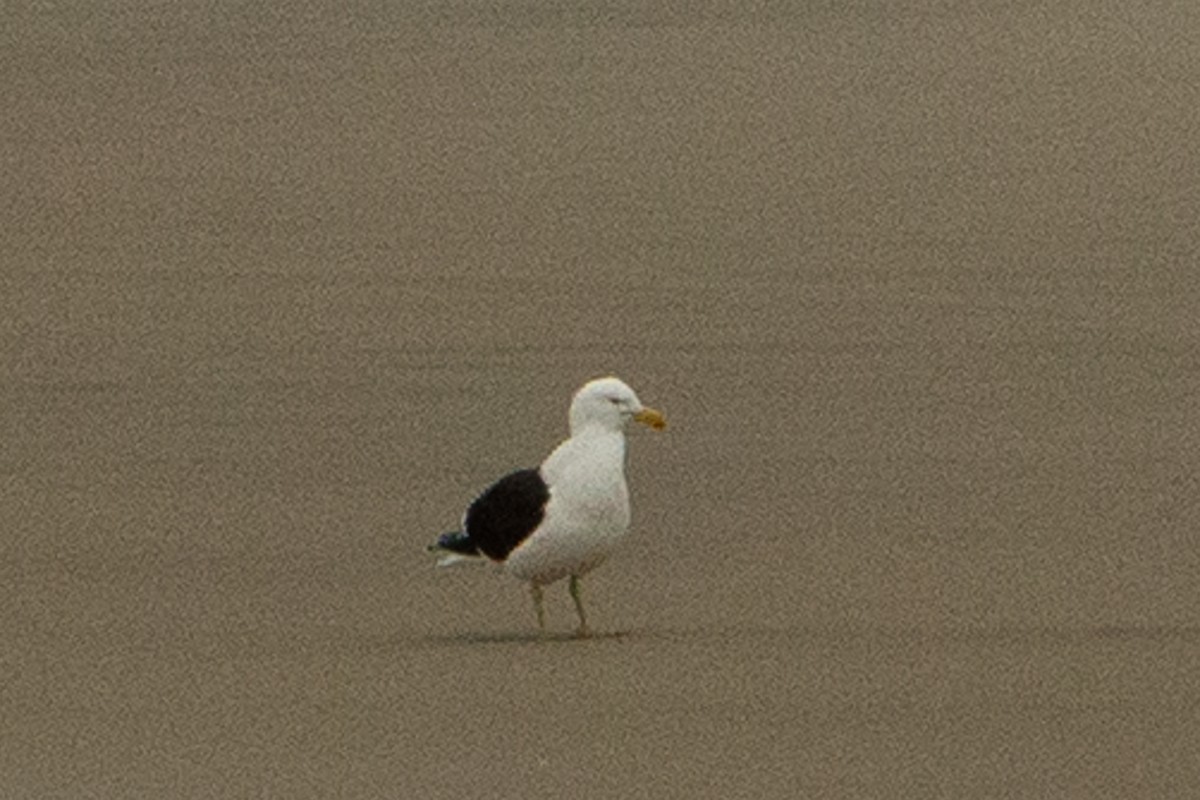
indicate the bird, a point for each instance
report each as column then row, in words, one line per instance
column 563, row 518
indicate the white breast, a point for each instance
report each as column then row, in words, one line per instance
column 587, row 515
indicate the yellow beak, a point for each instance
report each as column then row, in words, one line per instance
column 648, row 416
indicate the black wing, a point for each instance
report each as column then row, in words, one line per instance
column 507, row 512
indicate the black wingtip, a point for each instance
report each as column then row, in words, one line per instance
column 455, row 542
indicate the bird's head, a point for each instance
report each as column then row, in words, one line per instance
column 610, row 404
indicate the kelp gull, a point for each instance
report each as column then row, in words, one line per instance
column 562, row 519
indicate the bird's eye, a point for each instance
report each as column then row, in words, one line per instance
column 614, row 401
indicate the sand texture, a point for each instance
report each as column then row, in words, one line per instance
column 917, row 285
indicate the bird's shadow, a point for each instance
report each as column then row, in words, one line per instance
column 520, row 637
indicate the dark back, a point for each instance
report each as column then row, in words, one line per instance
column 507, row 512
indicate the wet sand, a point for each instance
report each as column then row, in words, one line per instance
column 916, row 285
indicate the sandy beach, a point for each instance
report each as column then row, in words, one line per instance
column 915, row 284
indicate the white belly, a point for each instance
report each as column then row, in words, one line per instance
column 573, row 538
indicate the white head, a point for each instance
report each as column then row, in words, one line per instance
column 608, row 403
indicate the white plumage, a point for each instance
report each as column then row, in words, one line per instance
column 563, row 519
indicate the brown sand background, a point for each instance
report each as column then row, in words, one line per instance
column 916, row 284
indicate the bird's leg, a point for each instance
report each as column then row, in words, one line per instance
column 536, row 591
column 583, row 626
